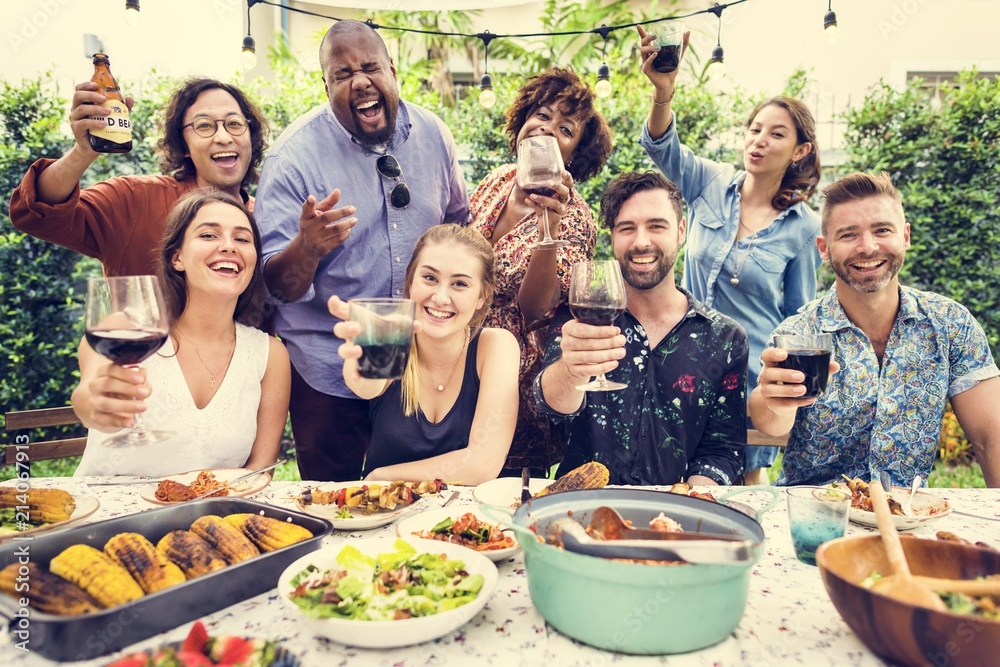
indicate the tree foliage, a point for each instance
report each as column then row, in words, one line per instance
column 946, row 164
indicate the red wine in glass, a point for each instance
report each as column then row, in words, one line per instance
column 126, row 347
column 667, row 58
column 597, row 297
column 539, row 160
column 383, row 361
column 126, row 321
column 538, row 189
column 814, row 364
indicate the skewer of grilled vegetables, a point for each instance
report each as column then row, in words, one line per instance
column 105, row 580
column 373, row 497
column 43, row 505
column 148, row 566
column 45, row 591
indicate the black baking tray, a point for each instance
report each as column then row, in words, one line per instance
column 71, row 638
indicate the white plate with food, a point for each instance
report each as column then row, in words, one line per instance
column 45, row 507
column 506, row 491
column 358, row 612
column 363, row 505
column 465, row 526
column 182, row 487
column 926, row 507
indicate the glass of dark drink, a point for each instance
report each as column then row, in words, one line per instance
column 670, row 41
column 538, row 161
column 386, row 335
column 809, row 353
column 597, row 297
column 126, row 321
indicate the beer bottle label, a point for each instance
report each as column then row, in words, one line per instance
column 118, row 128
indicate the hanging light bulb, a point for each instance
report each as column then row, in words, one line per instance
column 830, row 28
column 716, row 66
column 487, row 97
column 132, row 16
column 603, row 87
column 249, row 52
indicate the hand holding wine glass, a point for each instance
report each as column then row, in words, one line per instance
column 539, row 161
column 597, row 297
column 126, row 321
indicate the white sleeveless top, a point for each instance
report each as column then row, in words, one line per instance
column 219, row 436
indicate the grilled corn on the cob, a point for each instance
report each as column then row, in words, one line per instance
column 149, row 567
column 267, row 533
column 45, row 591
column 228, row 540
column 43, row 505
column 191, row 553
column 106, row 581
column 591, row 475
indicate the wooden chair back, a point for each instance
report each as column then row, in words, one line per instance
column 47, row 449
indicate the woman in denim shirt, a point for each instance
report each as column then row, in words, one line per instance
column 751, row 249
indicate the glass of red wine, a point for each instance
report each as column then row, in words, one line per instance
column 127, row 322
column 539, row 161
column 597, row 297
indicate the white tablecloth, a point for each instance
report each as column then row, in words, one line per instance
column 789, row 619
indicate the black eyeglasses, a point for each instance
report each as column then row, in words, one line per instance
column 388, row 166
column 206, row 127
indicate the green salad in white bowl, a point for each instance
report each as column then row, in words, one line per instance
column 384, row 593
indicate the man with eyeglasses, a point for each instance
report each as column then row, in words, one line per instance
column 344, row 194
column 213, row 137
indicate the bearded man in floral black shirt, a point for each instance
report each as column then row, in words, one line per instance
column 683, row 413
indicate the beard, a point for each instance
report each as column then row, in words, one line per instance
column 646, row 280
column 869, row 284
column 370, row 138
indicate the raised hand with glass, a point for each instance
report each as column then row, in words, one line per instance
column 126, row 321
column 538, row 162
column 597, row 297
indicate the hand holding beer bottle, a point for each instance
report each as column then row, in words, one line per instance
column 115, row 136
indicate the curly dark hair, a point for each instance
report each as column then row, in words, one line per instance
column 252, row 303
column 802, row 177
column 564, row 89
column 173, row 147
column 627, row 184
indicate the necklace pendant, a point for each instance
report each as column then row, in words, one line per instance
column 734, row 281
column 211, row 383
column 440, row 387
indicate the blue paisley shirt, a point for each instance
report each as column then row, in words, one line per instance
column 683, row 413
column 887, row 418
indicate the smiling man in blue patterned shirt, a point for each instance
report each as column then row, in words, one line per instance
column 683, row 413
column 902, row 354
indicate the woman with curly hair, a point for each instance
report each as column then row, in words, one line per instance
column 751, row 248
column 531, row 283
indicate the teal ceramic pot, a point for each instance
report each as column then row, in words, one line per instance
column 631, row 607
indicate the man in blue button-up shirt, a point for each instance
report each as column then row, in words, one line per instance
column 343, row 196
column 902, row 355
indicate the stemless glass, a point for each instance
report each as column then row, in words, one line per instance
column 127, row 322
column 597, row 296
column 538, row 161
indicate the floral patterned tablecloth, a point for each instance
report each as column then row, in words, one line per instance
column 789, row 620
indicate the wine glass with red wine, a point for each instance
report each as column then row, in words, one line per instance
column 539, row 161
column 597, row 297
column 127, row 322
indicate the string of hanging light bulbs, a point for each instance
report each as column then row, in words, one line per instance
column 487, row 96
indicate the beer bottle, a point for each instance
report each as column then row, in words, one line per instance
column 116, row 137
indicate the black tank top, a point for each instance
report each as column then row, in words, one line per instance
column 397, row 438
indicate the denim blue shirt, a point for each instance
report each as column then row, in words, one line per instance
column 874, row 418
column 316, row 155
column 779, row 275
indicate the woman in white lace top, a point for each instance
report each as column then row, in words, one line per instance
column 219, row 383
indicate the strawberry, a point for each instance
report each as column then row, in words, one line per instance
column 230, row 649
column 132, row 660
column 197, row 639
column 193, row 659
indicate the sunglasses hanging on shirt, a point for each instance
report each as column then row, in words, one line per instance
column 388, row 167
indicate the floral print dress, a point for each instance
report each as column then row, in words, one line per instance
column 532, row 446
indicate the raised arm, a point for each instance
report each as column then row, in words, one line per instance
column 272, row 412
column 586, row 351
column 492, row 426
column 57, row 183
column 663, row 83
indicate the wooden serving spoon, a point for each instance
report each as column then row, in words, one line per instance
column 901, row 585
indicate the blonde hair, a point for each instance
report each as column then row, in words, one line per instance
column 479, row 247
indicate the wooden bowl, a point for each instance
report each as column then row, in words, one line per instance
column 899, row 632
